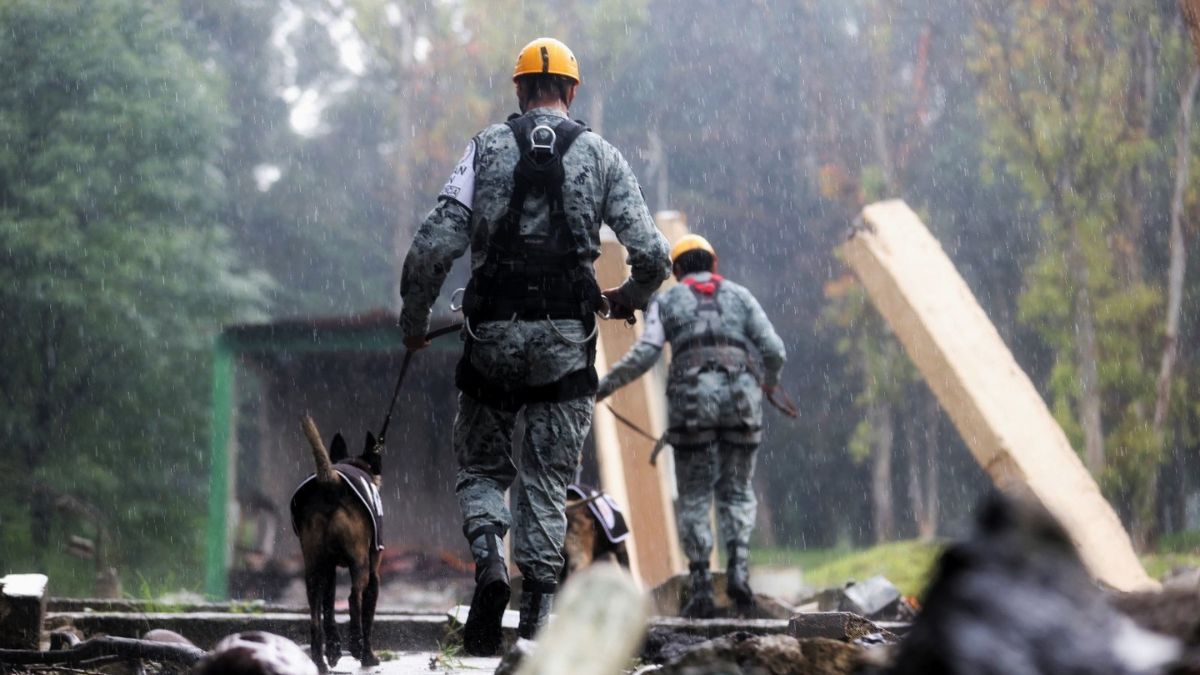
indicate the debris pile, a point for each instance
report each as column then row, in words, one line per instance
column 742, row 653
column 1015, row 599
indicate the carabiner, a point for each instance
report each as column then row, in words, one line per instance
column 457, row 294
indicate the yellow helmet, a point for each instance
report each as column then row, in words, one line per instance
column 546, row 55
column 691, row 242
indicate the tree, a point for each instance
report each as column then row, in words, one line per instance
column 1056, row 81
column 115, row 270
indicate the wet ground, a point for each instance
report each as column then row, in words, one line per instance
column 412, row 663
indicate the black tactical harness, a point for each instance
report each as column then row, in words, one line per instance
column 710, row 351
column 523, row 280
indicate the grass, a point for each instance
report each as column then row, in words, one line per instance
column 907, row 564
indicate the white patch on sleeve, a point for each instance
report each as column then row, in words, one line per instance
column 461, row 186
column 653, row 333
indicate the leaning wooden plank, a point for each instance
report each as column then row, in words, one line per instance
column 989, row 397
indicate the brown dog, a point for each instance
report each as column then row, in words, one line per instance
column 335, row 513
column 588, row 539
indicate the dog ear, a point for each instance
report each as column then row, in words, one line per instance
column 371, row 454
column 337, row 449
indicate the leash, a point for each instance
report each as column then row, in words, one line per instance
column 408, row 354
column 783, row 402
column 580, row 502
column 629, row 423
column 659, row 443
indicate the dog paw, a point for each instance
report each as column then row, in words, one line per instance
column 333, row 651
column 368, row 660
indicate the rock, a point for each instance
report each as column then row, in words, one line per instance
column 1182, row 579
column 512, row 659
column 1015, row 599
column 22, row 610
column 256, row 653
column 664, row 644
column 842, row 626
column 744, row 654
column 167, row 636
column 1175, row 611
column 872, row 598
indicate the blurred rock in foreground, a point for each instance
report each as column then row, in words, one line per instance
column 1015, row 599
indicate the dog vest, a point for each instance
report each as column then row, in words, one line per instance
column 363, row 487
column 605, row 509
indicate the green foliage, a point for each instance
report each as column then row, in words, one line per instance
column 907, row 564
column 115, row 273
column 1059, row 92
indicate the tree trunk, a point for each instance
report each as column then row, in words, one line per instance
column 1087, row 351
column 923, row 468
column 764, row 519
column 405, row 122
column 883, row 433
column 927, row 527
column 1177, row 267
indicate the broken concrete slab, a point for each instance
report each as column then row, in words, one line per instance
column 992, row 402
column 870, row 598
column 22, row 610
column 205, row 629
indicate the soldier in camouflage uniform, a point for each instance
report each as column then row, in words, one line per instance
column 528, row 197
column 714, row 394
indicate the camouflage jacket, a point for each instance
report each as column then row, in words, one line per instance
column 708, row 386
column 599, row 187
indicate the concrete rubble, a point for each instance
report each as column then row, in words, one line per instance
column 22, row 610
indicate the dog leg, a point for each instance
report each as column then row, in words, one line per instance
column 358, row 583
column 313, row 585
column 370, row 596
column 333, row 642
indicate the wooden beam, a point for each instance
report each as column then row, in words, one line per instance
column 991, row 400
column 622, row 455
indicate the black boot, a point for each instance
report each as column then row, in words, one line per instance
column 700, row 603
column 737, row 577
column 536, row 599
column 481, row 634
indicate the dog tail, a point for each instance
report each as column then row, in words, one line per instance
column 325, row 472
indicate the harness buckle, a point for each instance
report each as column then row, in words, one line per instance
column 542, row 138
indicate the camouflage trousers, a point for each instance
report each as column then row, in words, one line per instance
column 717, row 468
column 535, row 353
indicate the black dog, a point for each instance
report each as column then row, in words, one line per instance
column 336, row 512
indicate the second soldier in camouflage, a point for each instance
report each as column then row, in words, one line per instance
column 715, row 393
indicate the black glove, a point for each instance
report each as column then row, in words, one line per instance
column 619, row 306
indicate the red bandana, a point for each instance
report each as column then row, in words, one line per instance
column 706, row 287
